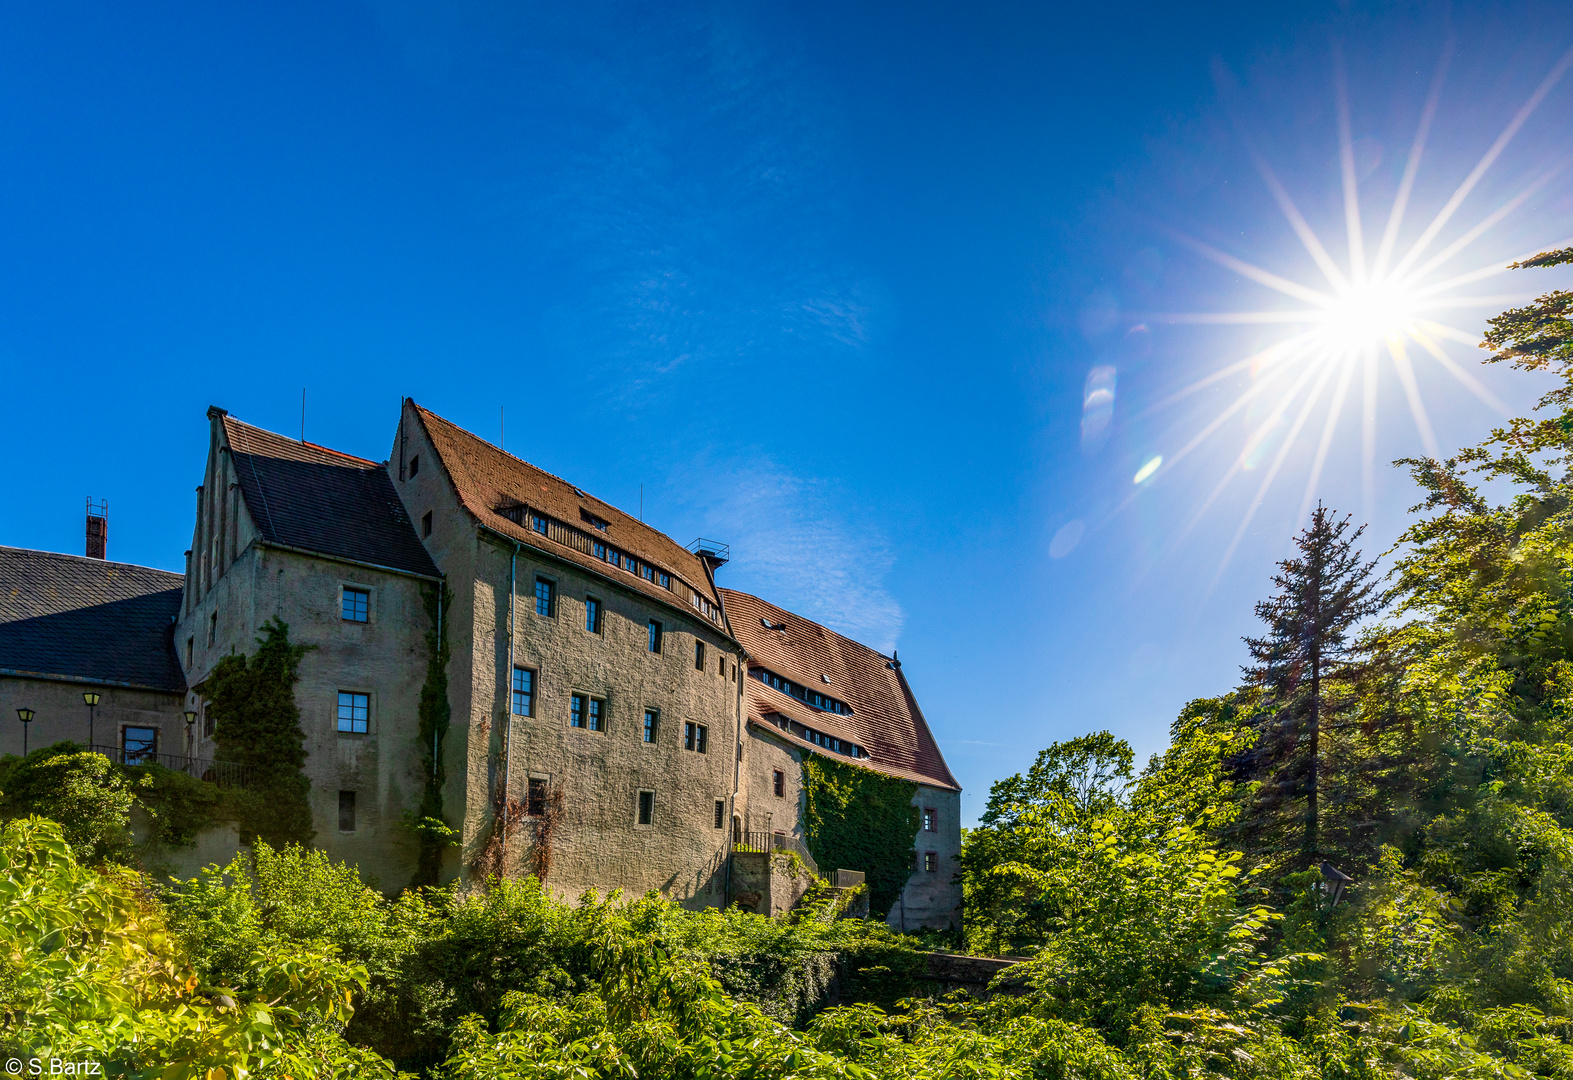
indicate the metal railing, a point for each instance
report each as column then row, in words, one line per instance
column 222, row 773
column 774, row 841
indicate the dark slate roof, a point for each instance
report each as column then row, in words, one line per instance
column 78, row 618
column 306, row 496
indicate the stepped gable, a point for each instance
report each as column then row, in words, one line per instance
column 305, row 496
column 71, row 617
column 885, row 720
column 489, row 479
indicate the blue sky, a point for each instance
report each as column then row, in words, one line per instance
column 889, row 297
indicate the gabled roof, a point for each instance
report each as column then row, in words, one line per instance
column 314, row 499
column 885, row 719
column 491, row 482
column 71, row 617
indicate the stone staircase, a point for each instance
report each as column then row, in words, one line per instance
column 843, row 896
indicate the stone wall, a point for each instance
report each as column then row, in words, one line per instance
column 59, row 713
column 932, row 898
column 760, row 808
column 768, row 883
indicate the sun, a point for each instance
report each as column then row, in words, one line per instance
column 1381, row 304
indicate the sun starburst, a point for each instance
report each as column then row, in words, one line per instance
column 1389, row 306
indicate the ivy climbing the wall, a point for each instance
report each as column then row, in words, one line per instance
column 431, row 827
column 258, row 725
column 858, row 819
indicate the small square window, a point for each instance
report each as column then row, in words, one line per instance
column 576, row 710
column 415, row 464
column 523, row 692
column 647, row 572
column 720, row 813
column 930, row 820
column 931, row 861
column 665, row 581
column 647, row 808
column 694, row 737
column 592, row 615
column 346, row 811
column 535, row 806
column 598, row 549
column 354, row 712
column 545, row 598
column 595, row 718
column 652, row 724
column 699, row 655
column 426, row 524
column 538, row 523
column 138, row 745
column 357, row 605
column 655, row 636
column 778, row 783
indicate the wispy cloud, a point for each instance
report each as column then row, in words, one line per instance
column 793, row 543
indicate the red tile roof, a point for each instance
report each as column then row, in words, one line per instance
column 309, row 497
column 490, row 480
column 885, row 719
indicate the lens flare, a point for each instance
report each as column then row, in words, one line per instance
column 1367, row 317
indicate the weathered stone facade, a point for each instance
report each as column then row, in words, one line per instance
column 613, row 720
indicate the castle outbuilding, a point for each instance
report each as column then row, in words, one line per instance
column 617, row 720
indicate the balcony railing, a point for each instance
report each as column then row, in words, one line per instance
column 222, row 773
column 774, row 841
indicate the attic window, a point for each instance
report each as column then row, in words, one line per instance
column 768, row 625
column 802, row 693
column 415, row 464
column 593, row 520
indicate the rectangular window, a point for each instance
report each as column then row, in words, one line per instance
column 523, row 692
column 346, row 811
column 357, row 605
column 655, row 636
column 545, row 598
column 535, row 806
column 426, row 524
column 665, row 581
column 354, row 712
column 930, row 820
column 191, row 644
column 699, row 655
column 646, row 807
column 592, row 615
column 212, row 629
column 652, row 723
column 647, row 572
column 701, row 738
column 598, row 549
column 538, row 523
column 720, row 813
column 595, row 719
column 207, row 719
column 415, row 464
column 138, row 745
column 694, row 737
column 576, row 710
column 778, row 782
column 931, row 861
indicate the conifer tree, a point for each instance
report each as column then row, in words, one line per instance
column 1303, row 668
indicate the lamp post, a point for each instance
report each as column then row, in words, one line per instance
column 26, row 716
column 191, row 733
column 92, row 714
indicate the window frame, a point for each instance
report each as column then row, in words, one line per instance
column 652, row 726
column 426, row 525
column 699, row 654
column 346, row 590
column 657, row 631
column 931, row 862
column 595, row 714
column 578, row 706
column 529, row 694
column 644, row 809
column 347, row 804
column 356, row 698
column 550, row 598
column 415, row 465
column 778, row 783
column 720, row 813
column 145, row 751
column 594, row 614
column 535, row 805
column 930, row 819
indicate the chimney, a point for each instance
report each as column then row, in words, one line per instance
column 97, row 528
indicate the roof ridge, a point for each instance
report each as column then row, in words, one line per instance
column 90, row 560
column 228, row 418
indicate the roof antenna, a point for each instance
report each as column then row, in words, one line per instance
column 303, row 414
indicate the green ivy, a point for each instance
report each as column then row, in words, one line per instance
column 431, row 827
column 858, row 819
column 178, row 805
column 258, row 725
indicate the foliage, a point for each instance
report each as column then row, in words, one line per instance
column 429, row 823
column 178, row 805
column 82, row 791
column 258, row 725
column 859, row 819
column 89, row 971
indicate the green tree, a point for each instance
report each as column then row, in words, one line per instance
column 83, row 792
column 1303, row 668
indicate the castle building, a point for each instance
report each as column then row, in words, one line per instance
column 618, row 720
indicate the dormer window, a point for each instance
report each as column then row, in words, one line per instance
column 593, row 520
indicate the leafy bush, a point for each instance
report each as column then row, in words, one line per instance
column 83, row 792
